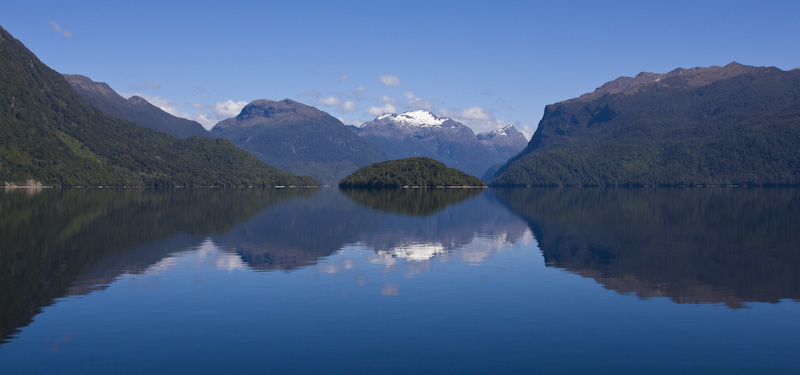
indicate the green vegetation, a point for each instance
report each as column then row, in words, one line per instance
column 411, row 172
column 48, row 133
column 715, row 245
column 416, row 202
column 739, row 131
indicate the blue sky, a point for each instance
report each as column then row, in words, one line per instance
column 483, row 63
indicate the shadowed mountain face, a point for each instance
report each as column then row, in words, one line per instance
column 299, row 139
column 710, row 126
column 424, row 134
column 728, row 246
column 135, row 109
column 50, row 135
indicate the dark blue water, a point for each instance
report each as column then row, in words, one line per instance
column 459, row 282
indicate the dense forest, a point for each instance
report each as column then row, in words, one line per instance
column 49, row 134
column 411, row 172
column 743, row 130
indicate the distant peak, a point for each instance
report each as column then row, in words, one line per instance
column 419, row 118
column 285, row 107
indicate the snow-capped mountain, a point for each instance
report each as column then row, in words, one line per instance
column 424, row 133
column 421, row 118
column 299, row 138
column 508, row 141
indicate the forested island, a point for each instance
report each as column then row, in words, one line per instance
column 419, row 172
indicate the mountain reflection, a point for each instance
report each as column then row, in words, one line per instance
column 417, row 237
column 65, row 242
column 298, row 233
column 59, row 243
column 728, row 246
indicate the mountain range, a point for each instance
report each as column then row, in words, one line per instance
column 721, row 125
column 424, row 134
column 135, row 108
column 49, row 135
column 299, row 138
column 730, row 125
column 302, row 139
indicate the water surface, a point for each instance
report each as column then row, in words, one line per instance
column 470, row 282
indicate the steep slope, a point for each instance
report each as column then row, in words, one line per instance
column 49, row 134
column 299, row 138
column 709, row 126
column 416, row 172
column 423, row 133
column 507, row 142
column 135, row 109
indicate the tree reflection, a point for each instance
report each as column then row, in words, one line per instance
column 726, row 246
column 51, row 238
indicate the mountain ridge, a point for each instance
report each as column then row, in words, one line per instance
column 423, row 133
column 733, row 125
column 136, row 109
column 298, row 138
column 49, row 134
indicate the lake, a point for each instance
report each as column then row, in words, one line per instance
column 322, row 281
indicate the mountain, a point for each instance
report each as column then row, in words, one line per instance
column 728, row 125
column 50, row 135
column 135, row 109
column 507, row 142
column 419, row 171
column 423, row 133
column 299, row 138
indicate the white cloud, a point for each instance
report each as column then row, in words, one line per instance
column 359, row 90
column 390, row 80
column 475, row 113
column 204, row 119
column 377, row 111
column 409, row 95
column 344, row 77
column 165, row 105
column 330, row 101
column 477, row 118
column 228, row 109
column 418, row 103
column 207, row 115
column 388, row 100
column 348, row 106
column 60, row 30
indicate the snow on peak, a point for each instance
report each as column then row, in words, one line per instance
column 501, row 132
column 420, row 118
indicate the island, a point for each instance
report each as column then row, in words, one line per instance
column 419, row 172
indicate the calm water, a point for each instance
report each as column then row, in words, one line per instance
column 517, row 281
